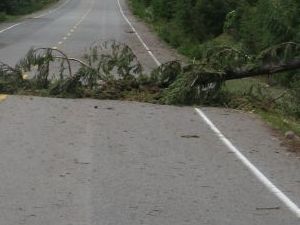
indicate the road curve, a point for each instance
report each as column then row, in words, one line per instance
column 88, row 162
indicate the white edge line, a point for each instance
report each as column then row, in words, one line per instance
column 259, row 175
column 51, row 11
column 8, row 28
column 37, row 17
column 137, row 34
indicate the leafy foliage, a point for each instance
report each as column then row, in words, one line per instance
column 245, row 25
column 111, row 70
column 198, row 19
column 269, row 22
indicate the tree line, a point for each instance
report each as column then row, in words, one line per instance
column 257, row 23
column 17, row 7
column 194, row 26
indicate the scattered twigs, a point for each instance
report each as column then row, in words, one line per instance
column 65, row 57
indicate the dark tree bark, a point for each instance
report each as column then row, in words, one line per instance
column 265, row 69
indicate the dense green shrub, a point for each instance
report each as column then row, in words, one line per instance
column 253, row 25
column 269, row 22
column 196, row 19
column 3, row 16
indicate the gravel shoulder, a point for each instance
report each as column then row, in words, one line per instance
column 160, row 49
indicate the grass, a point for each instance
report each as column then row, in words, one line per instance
column 138, row 9
column 7, row 18
column 280, row 123
column 241, row 86
column 273, row 115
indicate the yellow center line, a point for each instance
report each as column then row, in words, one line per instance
column 72, row 30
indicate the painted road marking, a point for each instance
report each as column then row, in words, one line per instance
column 48, row 13
column 85, row 15
column 8, row 28
column 82, row 18
column 259, row 175
column 37, row 17
column 138, row 36
column 3, row 97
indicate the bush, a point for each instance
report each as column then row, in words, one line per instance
column 3, row 16
column 268, row 23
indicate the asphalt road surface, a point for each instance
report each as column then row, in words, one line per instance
column 89, row 162
column 73, row 26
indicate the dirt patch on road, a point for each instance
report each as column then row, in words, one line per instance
column 291, row 144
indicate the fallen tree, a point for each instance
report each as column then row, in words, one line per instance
column 111, row 70
column 202, row 81
column 268, row 69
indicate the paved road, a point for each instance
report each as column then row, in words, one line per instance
column 88, row 162
column 68, row 162
column 72, row 26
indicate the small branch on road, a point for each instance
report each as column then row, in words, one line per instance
column 62, row 53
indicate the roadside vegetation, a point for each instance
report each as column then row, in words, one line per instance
column 249, row 26
column 110, row 70
column 10, row 9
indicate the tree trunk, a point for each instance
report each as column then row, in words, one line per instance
column 265, row 69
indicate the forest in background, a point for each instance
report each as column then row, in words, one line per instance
column 249, row 25
column 10, row 8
